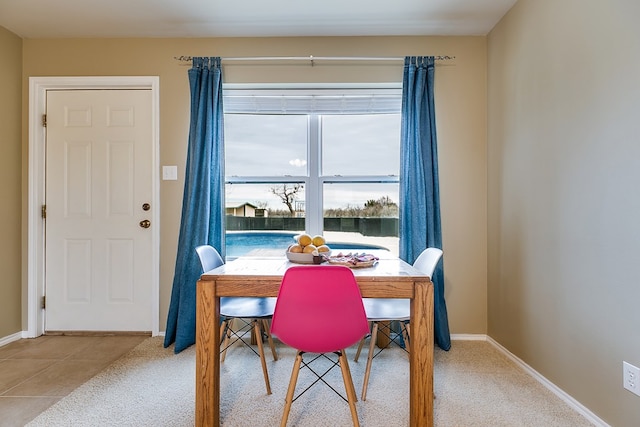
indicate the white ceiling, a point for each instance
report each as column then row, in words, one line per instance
column 248, row 18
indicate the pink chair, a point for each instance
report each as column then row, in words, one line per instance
column 319, row 310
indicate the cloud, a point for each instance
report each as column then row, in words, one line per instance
column 297, row 163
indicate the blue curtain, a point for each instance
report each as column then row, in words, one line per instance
column 419, row 195
column 203, row 199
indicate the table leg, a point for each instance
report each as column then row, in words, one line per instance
column 383, row 340
column 421, row 356
column 207, row 355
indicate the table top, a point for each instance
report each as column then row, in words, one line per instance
column 265, row 274
column 275, row 265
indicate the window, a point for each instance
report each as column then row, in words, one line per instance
column 321, row 161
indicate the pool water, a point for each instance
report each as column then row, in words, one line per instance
column 241, row 243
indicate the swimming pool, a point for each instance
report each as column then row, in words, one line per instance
column 242, row 242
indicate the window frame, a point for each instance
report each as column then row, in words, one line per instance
column 314, row 181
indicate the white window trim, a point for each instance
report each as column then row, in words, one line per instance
column 314, row 221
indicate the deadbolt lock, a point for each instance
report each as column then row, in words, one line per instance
column 146, row 207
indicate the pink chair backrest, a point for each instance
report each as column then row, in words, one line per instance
column 319, row 309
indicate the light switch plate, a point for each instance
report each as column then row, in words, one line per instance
column 170, row 173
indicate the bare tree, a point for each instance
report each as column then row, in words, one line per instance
column 287, row 194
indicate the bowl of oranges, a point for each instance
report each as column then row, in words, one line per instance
column 308, row 249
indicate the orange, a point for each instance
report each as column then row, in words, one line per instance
column 318, row 240
column 304, row 240
column 308, row 249
column 295, row 248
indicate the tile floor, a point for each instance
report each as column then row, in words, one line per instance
column 36, row 373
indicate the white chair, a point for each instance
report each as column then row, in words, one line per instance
column 258, row 311
column 392, row 309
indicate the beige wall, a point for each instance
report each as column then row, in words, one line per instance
column 10, row 194
column 461, row 115
column 564, row 204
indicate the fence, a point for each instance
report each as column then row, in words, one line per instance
column 378, row 227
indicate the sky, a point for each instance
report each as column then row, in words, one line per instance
column 276, row 145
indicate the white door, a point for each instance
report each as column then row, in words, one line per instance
column 98, row 195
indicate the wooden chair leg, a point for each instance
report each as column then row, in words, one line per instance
column 367, row 371
column 223, row 326
column 291, row 389
column 263, row 361
column 350, row 389
column 265, row 325
column 225, row 344
column 360, row 345
column 406, row 335
column 353, row 388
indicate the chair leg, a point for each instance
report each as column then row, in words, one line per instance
column 406, row 335
column 263, row 361
column 223, row 327
column 350, row 389
column 225, row 344
column 292, row 388
column 265, row 325
column 367, row 371
column 353, row 388
column 360, row 345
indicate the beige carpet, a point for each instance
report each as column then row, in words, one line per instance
column 151, row 386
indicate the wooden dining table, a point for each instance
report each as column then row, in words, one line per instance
column 261, row 276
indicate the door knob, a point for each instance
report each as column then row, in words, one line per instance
column 145, row 223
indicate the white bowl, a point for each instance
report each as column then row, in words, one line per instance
column 304, row 258
column 300, row 258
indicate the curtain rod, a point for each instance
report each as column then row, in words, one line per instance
column 312, row 58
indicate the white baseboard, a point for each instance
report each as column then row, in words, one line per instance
column 573, row 403
column 468, row 337
column 11, row 338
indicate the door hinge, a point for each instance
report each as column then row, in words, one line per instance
column 43, row 303
column 44, row 211
column 44, row 120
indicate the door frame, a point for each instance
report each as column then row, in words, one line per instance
column 38, row 87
